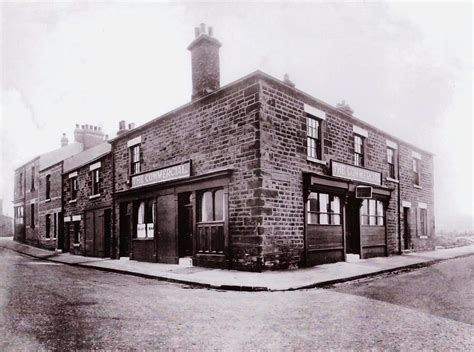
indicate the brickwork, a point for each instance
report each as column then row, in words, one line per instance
column 31, row 197
column 215, row 132
column 49, row 206
column 85, row 200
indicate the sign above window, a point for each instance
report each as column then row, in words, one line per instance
column 355, row 173
column 174, row 172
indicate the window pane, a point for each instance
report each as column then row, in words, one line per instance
column 371, row 207
column 336, row 219
column 312, row 218
column 363, row 209
column 206, row 206
column 324, row 219
column 313, row 202
column 219, row 205
column 364, row 220
column 323, row 202
column 379, row 208
column 141, row 213
column 372, row 220
column 390, row 156
column 380, row 220
column 336, row 204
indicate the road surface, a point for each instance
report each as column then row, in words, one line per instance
column 47, row 306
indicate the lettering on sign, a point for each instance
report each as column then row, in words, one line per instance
column 166, row 174
column 141, row 230
column 352, row 172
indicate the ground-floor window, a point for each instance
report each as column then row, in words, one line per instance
column 211, row 206
column 19, row 214
column 323, row 209
column 423, row 222
column 77, row 232
column 48, row 226
column 144, row 218
column 371, row 213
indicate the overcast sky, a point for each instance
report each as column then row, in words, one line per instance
column 403, row 67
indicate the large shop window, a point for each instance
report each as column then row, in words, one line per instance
column 314, row 137
column 135, row 166
column 323, row 209
column 145, row 218
column 358, row 150
column 211, row 206
column 371, row 213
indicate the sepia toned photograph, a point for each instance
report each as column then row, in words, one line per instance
column 236, row 176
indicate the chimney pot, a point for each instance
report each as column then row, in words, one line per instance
column 131, row 126
column 196, row 32
column 64, row 140
column 77, row 125
column 287, row 80
column 209, row 31
column 203, row 28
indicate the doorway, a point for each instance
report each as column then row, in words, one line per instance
column 124, row 229
column 185, row 225
column 353, row 226
column 406, row 229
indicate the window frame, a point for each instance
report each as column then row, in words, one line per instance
column 149, row 214
column 314, row 138
column 95, row 184
column 32, row 184
column 391, row 165
column 135, row 165
column 416, row 171
column 366, row 213
column 48, row 187
column 359, row 158
column 74, row 187
column 423, row 222
column 20, row 181
column 330, row 213
column 213, row 192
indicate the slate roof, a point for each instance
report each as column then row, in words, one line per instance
column 86, row 157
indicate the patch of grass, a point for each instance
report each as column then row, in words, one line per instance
column 450, row 239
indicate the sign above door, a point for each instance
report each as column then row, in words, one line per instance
column 355, row 173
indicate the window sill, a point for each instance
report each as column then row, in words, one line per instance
column 417, row 187
column 72, row 201
column 392, row 180
column 75, row 245
column 423, row 237
column 317, row 161
column 94, row 196
column 47, row 200
column 143, row 238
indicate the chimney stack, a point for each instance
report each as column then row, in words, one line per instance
column 204, row 61
column 122, row 127
column 345, row 107
column 88, row 135
column 64, row 140
column 287, row 80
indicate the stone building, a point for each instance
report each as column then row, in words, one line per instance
column 87, row 201
column 259, row 175
column 38, row 190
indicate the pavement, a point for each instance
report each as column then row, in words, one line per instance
column 288, row 280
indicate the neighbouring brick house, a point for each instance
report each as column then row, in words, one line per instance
column 38, row 191
column 259, row 175
column 87, row 201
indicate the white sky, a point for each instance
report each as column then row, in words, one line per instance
column 403, row 67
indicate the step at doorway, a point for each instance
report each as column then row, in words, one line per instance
column 352, row 258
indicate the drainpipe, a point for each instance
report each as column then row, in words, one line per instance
column 399, row 203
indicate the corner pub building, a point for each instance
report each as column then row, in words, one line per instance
column 258, row 175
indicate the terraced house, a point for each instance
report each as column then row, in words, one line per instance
column 258, row 175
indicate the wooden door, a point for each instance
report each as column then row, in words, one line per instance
column 166, row 242
column 89, row 234
column 99, row 241
column 406, row 228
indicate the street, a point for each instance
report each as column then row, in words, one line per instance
column 47, row 306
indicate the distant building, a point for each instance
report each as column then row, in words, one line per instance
column 38, row 190
column 6, row 223
column 256, row 175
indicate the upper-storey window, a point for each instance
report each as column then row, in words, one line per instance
column 416, row 171
column 135, row 166
column 95, row 181
column 48, row 186
column 358, row 150
column 32, row 187
column 20, row 181
column 314, row 136
column 74, row 187
column 391, row 162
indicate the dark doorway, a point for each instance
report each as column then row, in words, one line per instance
column 406, row 228
column 65, row 233
column 107, row 231
column 185, row 225
column 353, row 226
column 166, row 215
column 125, row 228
